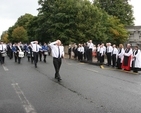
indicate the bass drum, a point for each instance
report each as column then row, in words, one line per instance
column 21, row 54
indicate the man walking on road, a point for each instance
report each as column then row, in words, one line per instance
column 57, row 54
column 35, row 49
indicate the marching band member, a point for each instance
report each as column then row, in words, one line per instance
column 45, row 51
column 30, row 52
column 3, row 50
column 40, row 52
column 18, row 50
column 120, row 56
column 10, row 52
column 58, row 54
column 127, row 58
column 35, row 49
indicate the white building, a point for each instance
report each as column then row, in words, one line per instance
column 135, row 35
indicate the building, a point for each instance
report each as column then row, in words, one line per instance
column 134, row 36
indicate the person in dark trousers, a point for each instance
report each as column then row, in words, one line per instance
column 57, row 54
column 18, row 49
column 3, row 50
column 114, row 55
column 69, row 51
column 91, row 46
column 45, row 51
column 109, row 53
column 35, row 49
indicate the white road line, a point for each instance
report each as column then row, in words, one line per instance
column 26, row 104
column 92, row 70
column 5, row 68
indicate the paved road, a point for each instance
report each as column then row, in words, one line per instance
column 84, row 88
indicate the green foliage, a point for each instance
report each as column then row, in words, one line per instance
column 19, row 34
column 71, row 21
column 119, row 8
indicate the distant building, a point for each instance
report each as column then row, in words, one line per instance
column 134, row 36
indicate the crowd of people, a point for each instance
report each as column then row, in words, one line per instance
column 33, row 52
column 128, row 58
column 19, row 50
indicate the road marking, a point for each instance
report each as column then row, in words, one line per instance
column 5, row 68
column 81, row 63
column 92, row 70
column 26, row 104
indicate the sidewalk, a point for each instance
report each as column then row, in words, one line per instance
column 94, row 62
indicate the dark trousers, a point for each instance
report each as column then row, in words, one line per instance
column 114, row 60
column 90, row 55
column 119, row 63
column 17, row 57
column 45, row 57
column 98, row 56
column 101, row 58
column 40, row 55
column 10, row 54
column 57, row 64
column 2, row 59
column 109, row 58
column 35, row 54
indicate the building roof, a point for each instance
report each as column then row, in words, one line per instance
column 133, row 27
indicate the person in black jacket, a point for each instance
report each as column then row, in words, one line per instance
column 18, row 49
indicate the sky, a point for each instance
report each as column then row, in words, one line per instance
column 11, row 10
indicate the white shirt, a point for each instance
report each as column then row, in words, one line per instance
column 82, row 49
column 101, row 51
column 109, row 49
column 90, row 45
column 2, row 47
column 55, row 50
column 115, row 51
column 35, row 47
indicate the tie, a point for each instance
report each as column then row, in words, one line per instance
column 36, row 48
column 58, row 52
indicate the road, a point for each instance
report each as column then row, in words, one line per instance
column 84, row 88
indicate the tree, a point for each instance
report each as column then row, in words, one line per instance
column 24, row 20
column 4, row 37
column 119, row 8
column 19, row 34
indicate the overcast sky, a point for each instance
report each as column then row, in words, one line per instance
column 11, row 10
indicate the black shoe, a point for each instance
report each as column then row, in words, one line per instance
column 59, row 79
column 35, row 65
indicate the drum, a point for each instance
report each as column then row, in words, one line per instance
column 21, row 54
column 3, row 54
column 45, row 53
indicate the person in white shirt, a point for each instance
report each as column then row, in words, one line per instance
column 98, row 53
column 101, row 54
column 3, row 50
column 90, row 46
column 81, row 52
column 109, row 53
column 35, row 49
column 120, row 56
column 114, row 55
column 57, row 54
